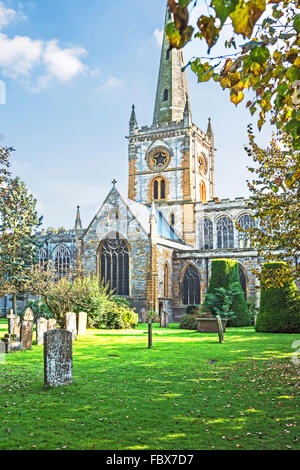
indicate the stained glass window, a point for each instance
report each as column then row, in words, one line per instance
column 114, row 260
column 191, row 287
column 62, row 260
column 225, row 233
column 206, row 235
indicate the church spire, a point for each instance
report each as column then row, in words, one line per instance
column 209, row 132
column 78, row 223
column 172, row 90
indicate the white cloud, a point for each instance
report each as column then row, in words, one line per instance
column 19, row 55
column 111, row 83
column 158, row 34
column 6, row 15
column 64, row 64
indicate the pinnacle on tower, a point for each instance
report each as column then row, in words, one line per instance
column 209, row 132
column 78, row 223
column 187, row 115
column 172, row 87
column 133, row 125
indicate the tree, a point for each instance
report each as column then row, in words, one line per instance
column 19, row 245
column 5, row 153
column 225, row 274
column 275, row 203
column 279, row 310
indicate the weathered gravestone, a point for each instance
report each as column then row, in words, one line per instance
column 27, row 329
column 164, row 319
column 41, row 328
column 220, row 329
column 51, row 324
column 71, row 324
column 144, row 316
column 58, row 359
column 14, row 325
column 82, row 323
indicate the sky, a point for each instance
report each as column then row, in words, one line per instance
column 72, row 71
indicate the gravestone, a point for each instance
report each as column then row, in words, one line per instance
column 14, row 324
column 71, row 324
column 41, row 328
column 82, row 323
column 164, row 319
column 58, row 358
column 27, row 329
column 220, row 329
column 51, row 324
column 144, row 316
column 10, row 344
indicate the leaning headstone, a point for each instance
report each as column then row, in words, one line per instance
column 27, row 329
column 71, row 324
column 82, row 323
column 58, row 359
column 41, row 328
column 220, row 329
column 51, row 324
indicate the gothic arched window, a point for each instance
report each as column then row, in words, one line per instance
column 243, row 280
column 225, row 233
column 114, row 265
column 62, row 260
column 166, row 94
column 166, row 281
column 159, row 189
column 43, row 259
column 206, row 235
column 245, row 222
column 191, row 287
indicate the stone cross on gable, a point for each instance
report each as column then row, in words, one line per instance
column 114, row 182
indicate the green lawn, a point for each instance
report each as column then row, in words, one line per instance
column 188, row 392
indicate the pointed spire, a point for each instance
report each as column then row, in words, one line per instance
column 172, row 87
column 209, row 132
column 187, row 114
column 133, row 125
column 78, row 223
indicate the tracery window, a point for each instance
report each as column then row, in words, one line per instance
column 225, row 233
column 62, row 261
column 43, row 259
column 114, row 261
column 191, row 287
column 245, row 222
column 206, row 235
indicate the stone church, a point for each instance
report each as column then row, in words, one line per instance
column 155, row 246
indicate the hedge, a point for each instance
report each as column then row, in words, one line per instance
column 225, row 273
column 279, row 310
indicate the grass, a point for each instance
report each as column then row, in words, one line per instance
column 188, row 392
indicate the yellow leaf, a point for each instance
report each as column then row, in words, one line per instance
column 236, row 98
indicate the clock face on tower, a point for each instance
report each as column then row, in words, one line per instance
column 158, row 159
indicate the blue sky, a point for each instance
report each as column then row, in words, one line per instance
column 72, row 70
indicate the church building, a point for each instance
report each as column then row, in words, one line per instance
column 155, row 245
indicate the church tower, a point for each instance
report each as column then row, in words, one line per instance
column 171, row 162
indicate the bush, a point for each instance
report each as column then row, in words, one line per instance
column 225, row 274
column 221, row 302
column 116, row 317
column 279, row 310
column 192, row 310
column 39, row 309
column 188, row 321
